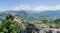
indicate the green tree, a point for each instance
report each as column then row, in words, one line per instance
column 48, row 22
column 8, row 25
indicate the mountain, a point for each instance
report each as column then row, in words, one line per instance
column 30, row 15
column 21, row 14
column 49, row 14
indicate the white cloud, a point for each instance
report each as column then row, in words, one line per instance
column 42, row 8
column 0, row 9
column 39, row 8
column 22, row 7
column 36, row 8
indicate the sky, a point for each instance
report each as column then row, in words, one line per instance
column 40, row 5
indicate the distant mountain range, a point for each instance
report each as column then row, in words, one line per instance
column 30, row 15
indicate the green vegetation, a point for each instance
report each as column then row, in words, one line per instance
column 48, row 22
column 23, row 24
column 8, row 25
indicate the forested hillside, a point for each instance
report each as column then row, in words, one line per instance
column 27, row 22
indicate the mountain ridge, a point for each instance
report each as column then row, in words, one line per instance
column 34, row 15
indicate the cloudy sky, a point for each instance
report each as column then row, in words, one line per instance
column 40, row 5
